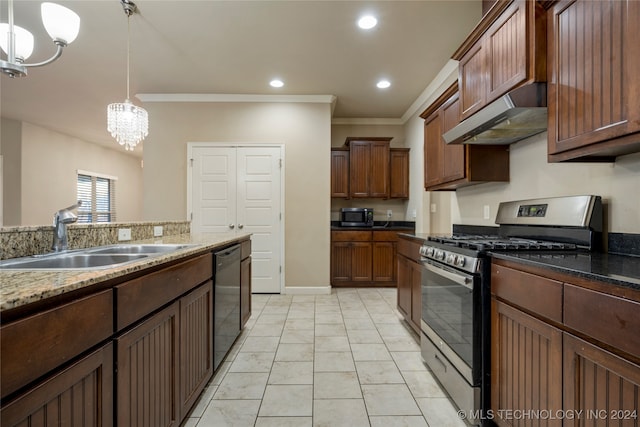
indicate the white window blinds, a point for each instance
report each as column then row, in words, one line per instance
column 98, row 197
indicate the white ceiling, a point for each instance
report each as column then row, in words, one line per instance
column 235, row 47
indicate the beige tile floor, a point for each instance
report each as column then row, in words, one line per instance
column 345, row 359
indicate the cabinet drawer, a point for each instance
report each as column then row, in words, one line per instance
column 607, row 318
column 33, row 346
column 536, row 294
column 409, row 248
column 351, row 236
column 139, row 297
column 385, row 236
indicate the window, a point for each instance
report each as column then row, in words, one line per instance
column 98, row 195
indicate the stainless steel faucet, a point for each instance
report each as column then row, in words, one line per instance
column 60, row 221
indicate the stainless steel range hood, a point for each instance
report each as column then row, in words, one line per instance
column 519, row 114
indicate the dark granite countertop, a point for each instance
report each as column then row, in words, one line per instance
column 620, row 270
column 377, row 225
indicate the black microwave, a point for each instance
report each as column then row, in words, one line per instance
column 356, row 217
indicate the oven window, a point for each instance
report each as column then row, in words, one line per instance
column 448, row 309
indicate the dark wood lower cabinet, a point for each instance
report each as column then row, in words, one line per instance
column 410, row 282
column 147, row 378
column 600, row 385
column 566, row 350
column 80, row 395
column 526, row 360
column 196, row 344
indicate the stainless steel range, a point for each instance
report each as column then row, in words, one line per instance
column 455, row 324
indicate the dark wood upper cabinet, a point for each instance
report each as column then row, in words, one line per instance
column 450, row 166
column 366, row 167
column 505, row 50
column 340, row 172
column 593, row 85
column 399, row 173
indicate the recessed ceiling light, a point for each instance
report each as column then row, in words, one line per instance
column 367, row 22
column 276, row 83
column 383, row 84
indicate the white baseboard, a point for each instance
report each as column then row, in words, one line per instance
column 307, row 290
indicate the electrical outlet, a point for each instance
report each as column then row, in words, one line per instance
column 157, row 231
column 389, row 213
column 414, row 214
column 486, row 212
column 433, row 208
column 124, row 234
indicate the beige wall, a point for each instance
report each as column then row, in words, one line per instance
column 48, row 169
column 303, row 128
column 10, row 149
column 532, row 176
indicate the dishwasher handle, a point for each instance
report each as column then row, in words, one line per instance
column 227, row 256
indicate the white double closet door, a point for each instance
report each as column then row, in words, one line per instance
column 238, row 189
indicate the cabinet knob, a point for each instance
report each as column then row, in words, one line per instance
column 240, row 226
column 232, row 226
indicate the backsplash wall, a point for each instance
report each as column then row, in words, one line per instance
column 17, row 242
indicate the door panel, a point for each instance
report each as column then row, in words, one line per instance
column 237, row 189
column 259, row 213
column 213, row 189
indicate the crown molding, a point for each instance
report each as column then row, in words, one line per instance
column 447, row 75
column 222, row 97
column 366, row 121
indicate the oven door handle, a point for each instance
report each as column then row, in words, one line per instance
column 459, row 279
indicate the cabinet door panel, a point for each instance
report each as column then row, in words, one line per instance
column 361, row 259
column 359, row 168
column 384, row 261
column 507, row 47
column 399, row 174
column 600, row 383
column 81, row 395
column 340, row 173
column 147, row 372
column 433, row 146
column 472, row 69
column 592, row 74
column 453, row 155
column 526, row 363
column 416, row 294
column 196, row 344
column 379, row 177
column 340, row 261
column 404, row 285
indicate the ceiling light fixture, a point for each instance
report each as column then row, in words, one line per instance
column 367, row 22
column 61, row 23
column 383, row 84
column 276, row 83
column 127, row 123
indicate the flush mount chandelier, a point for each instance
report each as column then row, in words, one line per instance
column 127, row 123
column 61, row 23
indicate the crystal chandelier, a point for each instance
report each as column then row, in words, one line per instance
column 62, row 25
column 127, row 123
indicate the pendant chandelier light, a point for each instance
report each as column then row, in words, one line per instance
column 61, row 23
column 127, row 123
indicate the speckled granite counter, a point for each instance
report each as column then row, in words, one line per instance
column 18, row 288
column 619, row 270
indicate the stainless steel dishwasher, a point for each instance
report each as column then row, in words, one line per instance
column 226, row 324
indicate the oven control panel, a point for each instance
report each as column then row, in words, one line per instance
column 460, row 261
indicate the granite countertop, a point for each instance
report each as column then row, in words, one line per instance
column 615, row 269
column 620, row 270
column 374, row 228
column 18, row 288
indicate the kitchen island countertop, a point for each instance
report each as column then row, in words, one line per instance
column 19, row 288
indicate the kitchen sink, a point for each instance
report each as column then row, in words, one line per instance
column 136, row 249
column 69, row 261
column 90, row 258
